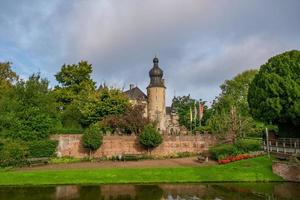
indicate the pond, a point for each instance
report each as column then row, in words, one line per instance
column 216, row 191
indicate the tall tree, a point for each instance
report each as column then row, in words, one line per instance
column 230, row 109
column 29, row 111
column 274, row 94
column 7, row 76
column 107, row 101
column 76, row 89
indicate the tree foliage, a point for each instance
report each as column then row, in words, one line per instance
column 230, row 110
column 80, row 103
column 76, row 89
column 274, row 94
column 28, row 113
column 184, row 105
column 76, row 78
column 150, row 137
column 92, row 138
column 131, row 121
column 108, row 101
column 7, row 76
column 12, row 153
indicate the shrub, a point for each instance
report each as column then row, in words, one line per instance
column 92, row 138
column 241, row 146
column 42, row 148
column 203, row 129
column 222, row 151
column 13, row 153
column 247, row 145
column 150, row 137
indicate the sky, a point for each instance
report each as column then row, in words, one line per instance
column 200, row 43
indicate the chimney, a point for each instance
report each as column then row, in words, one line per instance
column 131, row 86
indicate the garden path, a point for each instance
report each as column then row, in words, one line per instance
column 174, row 162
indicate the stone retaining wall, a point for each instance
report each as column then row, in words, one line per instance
column 288, row 171
column 70, row 145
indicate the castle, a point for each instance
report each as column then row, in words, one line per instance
column 155, row 102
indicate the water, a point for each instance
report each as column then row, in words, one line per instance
column 214, row 191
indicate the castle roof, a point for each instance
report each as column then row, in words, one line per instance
column 156, row 75
column 136, row 94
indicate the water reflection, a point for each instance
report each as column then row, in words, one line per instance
column 216, row 191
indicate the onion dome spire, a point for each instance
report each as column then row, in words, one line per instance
column 156, row 75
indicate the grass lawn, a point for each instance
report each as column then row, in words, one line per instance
column 255, row 169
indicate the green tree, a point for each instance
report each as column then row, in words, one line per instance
column 76, row 91
column 183, row 106
column 150, row 138
column 28, row 112
column 7, row 76
column 274, row 94
column 107, row 101
column 92, row 138
column 76, row 77
column 230, row 110
column 131, row 121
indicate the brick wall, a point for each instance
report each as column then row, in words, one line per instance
column 70, row 145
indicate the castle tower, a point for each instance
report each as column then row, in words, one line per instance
column 156, row 96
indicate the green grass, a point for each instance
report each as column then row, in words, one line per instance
column 256, row 169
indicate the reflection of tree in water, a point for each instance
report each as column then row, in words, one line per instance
column 224, row 191
column 234, row 191
column 120, row 197
column 148, row 192
column 90, row 193
column 27, row 193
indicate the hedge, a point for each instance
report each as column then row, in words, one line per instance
column 42, row 148
column 247, row 145
column 241, row 146
column 12, row 153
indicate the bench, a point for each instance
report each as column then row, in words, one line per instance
column 38, row 161
column 130, row 157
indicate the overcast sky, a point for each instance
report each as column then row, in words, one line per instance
column 200, row 43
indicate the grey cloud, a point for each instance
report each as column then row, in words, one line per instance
column 199, row 43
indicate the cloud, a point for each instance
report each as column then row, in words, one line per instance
column 199, row 43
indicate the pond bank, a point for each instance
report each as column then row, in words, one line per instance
column 255, row 169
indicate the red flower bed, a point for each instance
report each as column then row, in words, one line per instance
column 235, row 158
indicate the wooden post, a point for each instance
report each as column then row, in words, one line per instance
column 267, row 137
column 277, row 147
column 284, row 150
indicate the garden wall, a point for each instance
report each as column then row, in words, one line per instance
column 70, row 145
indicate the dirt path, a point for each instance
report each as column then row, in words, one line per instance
column 176, row 162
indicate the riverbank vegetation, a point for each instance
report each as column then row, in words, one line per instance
column 255, row 169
